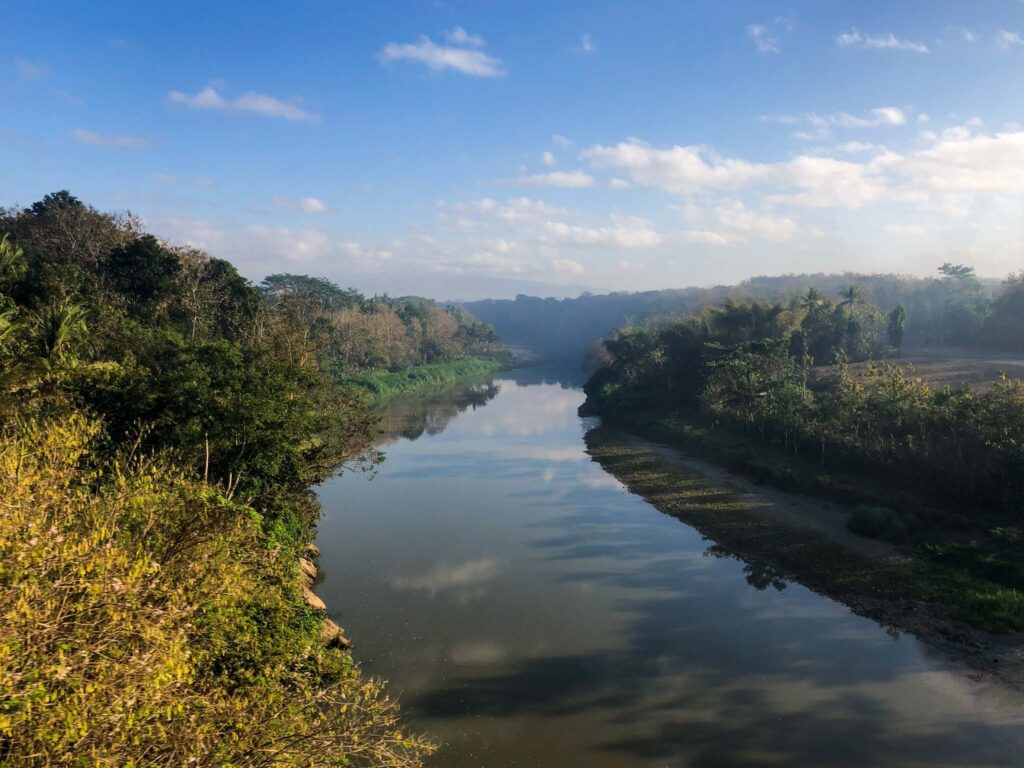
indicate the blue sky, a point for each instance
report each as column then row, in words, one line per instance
column 461, row 149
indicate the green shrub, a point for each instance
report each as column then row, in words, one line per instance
column 881, row 523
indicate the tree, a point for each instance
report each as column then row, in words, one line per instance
column 852, row 296
column 145, row 273
column 813, row 299
column 894, row 329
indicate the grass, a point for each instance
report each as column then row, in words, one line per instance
column 381, row 385
column 970, row 566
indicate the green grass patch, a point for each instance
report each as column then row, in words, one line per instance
column 381, row 386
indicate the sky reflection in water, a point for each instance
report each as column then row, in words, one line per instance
column 529, row 611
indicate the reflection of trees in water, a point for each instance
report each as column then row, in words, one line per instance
column 759, row 575
column 414, row 418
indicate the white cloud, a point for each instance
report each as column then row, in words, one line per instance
column 615, row 183
column 110, row 139
column 1006, row 40
column 549, row 159
column 807, row 180
column 567, row 265
column 566, row 179
column 626, row 232
column 707, row 237
column 855, row 147
column 959, row 163
column 587, row 44
column 257, row 103
column 460, row 36
column 820, row 126
column 561, row 140
column 305, row 204
column 782, row 119
column 29, row 71
column 731, row 222
column 511, row 211
column 438, row 58
column 684, row 170
column 967, row 34
column 954, row 171
column 879, row 116
column 737, row 218
column 855, row 39
column 763, row 39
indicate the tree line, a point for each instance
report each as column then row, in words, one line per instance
column 162, row 422
column 749, row 365
column 953, row 308
column 357, row 333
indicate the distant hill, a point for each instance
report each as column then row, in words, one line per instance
column 562, row 329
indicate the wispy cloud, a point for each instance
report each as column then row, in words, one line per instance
column 763, row 38
column 305, row 204
column 586, row 44
column 566, row 179
column 549, row 159
column 460, row 36
column 820, row 126
column 27, row 70
column 110, row 139
column 465, row 59
column 629, row 232
column 1005, row 40
column 256, row 103
column 856, row 39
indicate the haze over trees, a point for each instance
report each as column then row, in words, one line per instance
column 954, row 308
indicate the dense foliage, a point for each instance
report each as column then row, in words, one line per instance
column 947, row 463
column 748, row 364
column 162, row 423
column 356, row 333
column 954, row 308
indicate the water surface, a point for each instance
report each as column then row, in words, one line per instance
column 531, row 612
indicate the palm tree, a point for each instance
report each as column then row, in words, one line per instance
column 813, row 299
column 852, row 296
column 61, row 332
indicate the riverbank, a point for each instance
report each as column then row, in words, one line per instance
column 382, row 386
column 783, row 535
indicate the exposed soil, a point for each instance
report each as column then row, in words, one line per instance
column 943, row 367
column 806, row 540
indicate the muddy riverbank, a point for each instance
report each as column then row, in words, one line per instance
column 805, row 539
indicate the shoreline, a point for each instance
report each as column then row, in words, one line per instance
column 805, row 540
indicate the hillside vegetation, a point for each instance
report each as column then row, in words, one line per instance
column 162, row 423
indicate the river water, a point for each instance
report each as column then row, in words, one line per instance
column 529, row 611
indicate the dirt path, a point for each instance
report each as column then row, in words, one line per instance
column 789, row 509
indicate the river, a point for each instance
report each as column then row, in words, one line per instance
column 529, row 611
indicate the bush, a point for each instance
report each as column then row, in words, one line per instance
column 881, row 523
column 144, row 621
